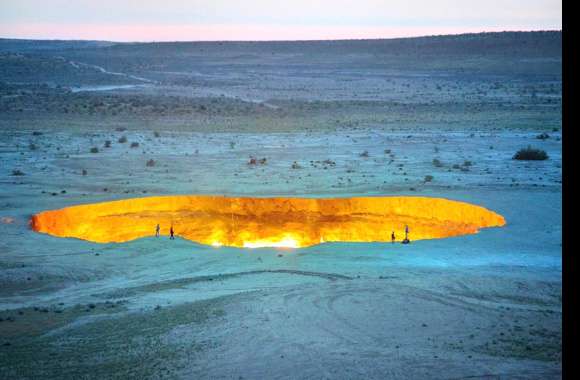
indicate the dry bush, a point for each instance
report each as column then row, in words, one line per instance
column 530, row 154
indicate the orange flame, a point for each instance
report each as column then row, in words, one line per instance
column 268, row 222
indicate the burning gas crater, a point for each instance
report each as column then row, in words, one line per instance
column 267, row 222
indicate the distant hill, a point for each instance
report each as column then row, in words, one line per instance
column 100, row 62
column 544, row 42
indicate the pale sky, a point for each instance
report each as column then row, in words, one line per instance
column 206, row 20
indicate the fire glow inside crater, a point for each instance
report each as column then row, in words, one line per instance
column 268, row 222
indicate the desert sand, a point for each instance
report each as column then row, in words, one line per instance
column 486, row 305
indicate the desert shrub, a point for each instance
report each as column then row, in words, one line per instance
column 428, row 178
column 84, row 172
column 437, row 163
column 387, row 151
column 36, row 133
column 150, row 163
column 364, row 154
column 134, row 144
column 543, row 136
column 467, row 163
column 123, row 139
column 530, row 154
column 94, row 150
column 17, row 172
column 156, row 134
column 32, row 146
column 295, row 165
column 256, row 161
column 108, row 144
column 120, row 129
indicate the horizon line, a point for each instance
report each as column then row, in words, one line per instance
column 289, row 40
column 134, row 41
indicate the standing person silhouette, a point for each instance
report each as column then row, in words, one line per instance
column 171, row 233
column 406, row 241
column 393, row 237
column 157, row 230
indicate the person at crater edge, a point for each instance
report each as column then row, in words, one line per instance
column 406, row 241
column 171, row 233
column 393, row 237
column 157, row 230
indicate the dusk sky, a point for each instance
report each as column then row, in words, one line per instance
column 188, row 20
